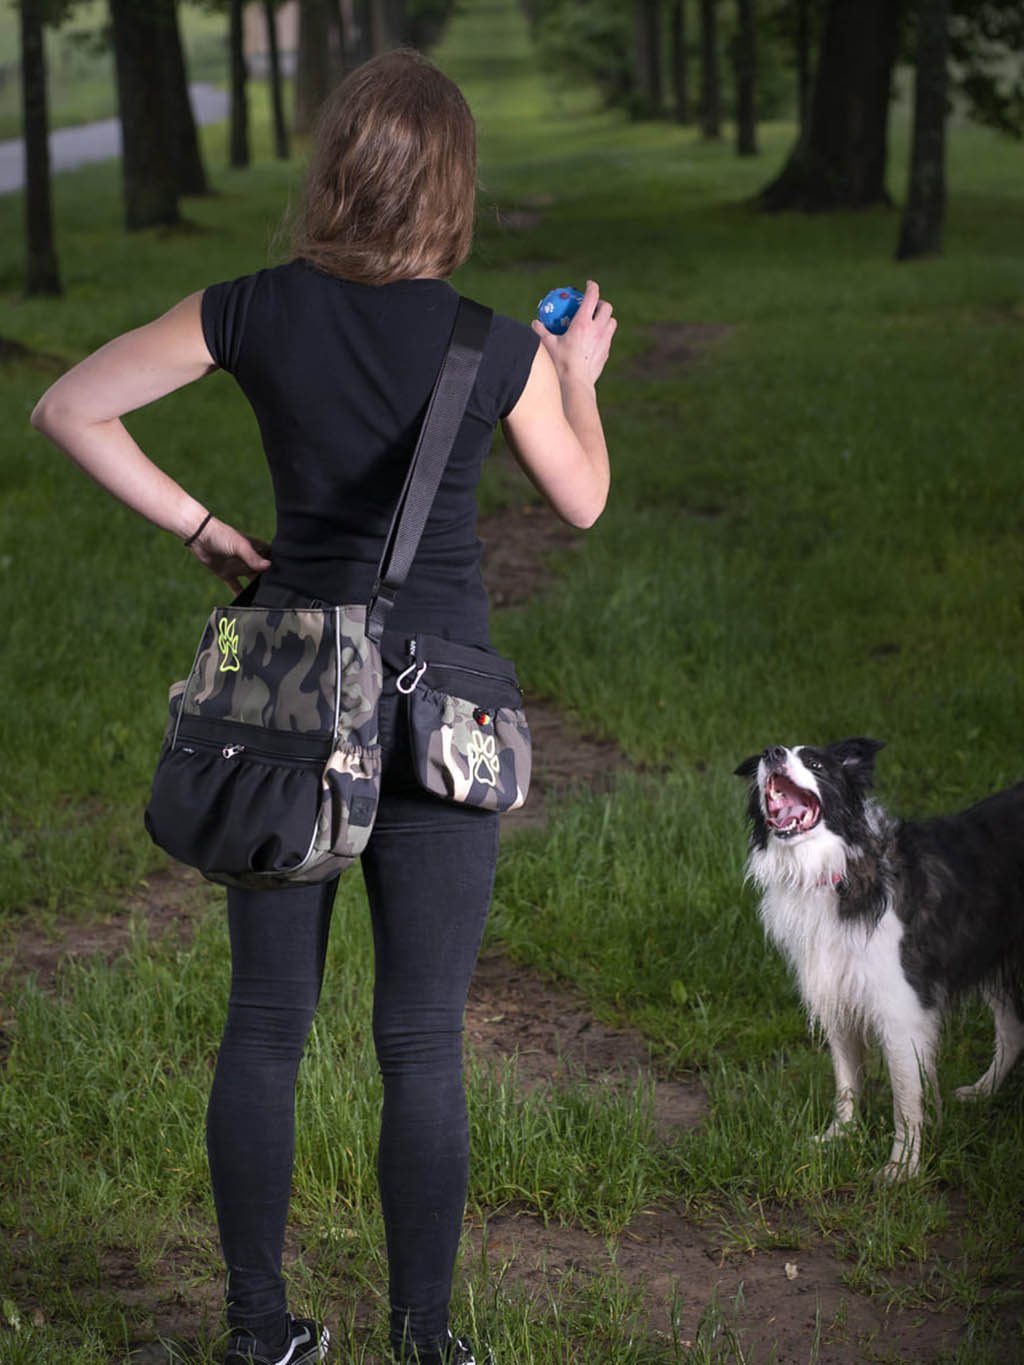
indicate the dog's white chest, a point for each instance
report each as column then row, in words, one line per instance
column 847, row 970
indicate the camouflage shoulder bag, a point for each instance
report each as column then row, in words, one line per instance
column 270, row 770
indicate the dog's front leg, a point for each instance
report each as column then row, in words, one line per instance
column 846, row 1045
column 910, row 1058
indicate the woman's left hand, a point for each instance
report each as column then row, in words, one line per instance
column 228, row 553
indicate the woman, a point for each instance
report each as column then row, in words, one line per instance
column 337, row 352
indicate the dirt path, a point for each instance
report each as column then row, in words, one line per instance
column 779, row 1303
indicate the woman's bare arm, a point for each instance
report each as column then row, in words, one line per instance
column 555, row 428
column 81, row 413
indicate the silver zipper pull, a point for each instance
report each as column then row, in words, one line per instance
column 230, row 750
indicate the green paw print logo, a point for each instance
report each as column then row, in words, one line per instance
column 227, row 643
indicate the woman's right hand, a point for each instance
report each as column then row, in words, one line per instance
column 582, row 350
column 228, row 553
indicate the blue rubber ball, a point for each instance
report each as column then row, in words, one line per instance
column 557, row 309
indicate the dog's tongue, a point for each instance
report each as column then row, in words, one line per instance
column 788, row 804
column 787, row 809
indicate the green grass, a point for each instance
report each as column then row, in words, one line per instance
column 814, row 531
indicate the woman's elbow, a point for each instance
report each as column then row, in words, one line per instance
column 43, row 416
column 583, row 515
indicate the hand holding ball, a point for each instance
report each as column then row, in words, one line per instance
column 557, row 309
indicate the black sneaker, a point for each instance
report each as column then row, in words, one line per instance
column 457, row 1352
column 461, row 1353
column 307, row 1342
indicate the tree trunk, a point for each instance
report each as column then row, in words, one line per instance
column 188, row 159
column 680, row 56
column 359, row 25
column 924, row 215
column 803, row 61
column 710, row 79
column 745, row 53
column 337, row 42
column 238, row 145
column 312, row 67
column 42, row 275
column 276, row 90
column 839, row 160
column 647, row 41
column 148, row 164
column 387, row 24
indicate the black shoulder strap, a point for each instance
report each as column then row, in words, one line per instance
column 437, row 436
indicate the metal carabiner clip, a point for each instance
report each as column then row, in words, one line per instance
column 405, row 687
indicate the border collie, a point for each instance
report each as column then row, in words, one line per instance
column 886, row 921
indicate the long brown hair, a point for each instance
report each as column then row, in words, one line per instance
column 390, row 191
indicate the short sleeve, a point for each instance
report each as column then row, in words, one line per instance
column 507, row 362
column 224, row 310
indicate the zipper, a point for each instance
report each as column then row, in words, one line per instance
column 188, row 744
column 450, row 667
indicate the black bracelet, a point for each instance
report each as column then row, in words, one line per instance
column 199, row 530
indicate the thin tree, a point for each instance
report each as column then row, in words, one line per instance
column 148, row 165
column 680, row 62
column 188, row 158
column 647, row 44
column 839, row 160
column 238, row 147
column 276, row 86
column 925, row 212
column 710, row 77
column 313, row 67
column 802, row 40
column 387, row 24
column 42, row 274
column 745, row 60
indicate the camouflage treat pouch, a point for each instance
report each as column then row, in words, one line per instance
column 270, row 770
column 468, row 732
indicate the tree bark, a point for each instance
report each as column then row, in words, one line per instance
column 238, row 143
column 647, row 40
column 745, row 53
column 680, row 59
column 710, row 77
column 839, row 160
column 42, row 275
column 387, row 24
column 188, row 159
column 148, row 164
column 312, row 67
column 925, row 212
column 276, row 90
column 359, row 23
column 803, row 61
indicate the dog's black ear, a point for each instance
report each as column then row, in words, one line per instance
column 748, row 767
column 858, row 755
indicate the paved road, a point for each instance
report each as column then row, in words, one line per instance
column 101, row 141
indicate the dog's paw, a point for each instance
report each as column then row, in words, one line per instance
column 903, row 1164
column 838, row 1128
column 896, row 1173
column 971, row 1094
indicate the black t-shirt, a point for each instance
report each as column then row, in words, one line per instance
column 339, row 375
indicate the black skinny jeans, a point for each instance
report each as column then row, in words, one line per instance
column 429, row 873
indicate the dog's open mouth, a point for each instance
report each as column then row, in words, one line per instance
column 790, row 809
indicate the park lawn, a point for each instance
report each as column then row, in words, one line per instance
column 814, row 531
